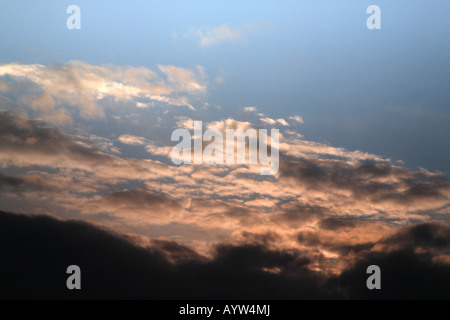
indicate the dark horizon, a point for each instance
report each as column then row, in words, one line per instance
column 40, row 248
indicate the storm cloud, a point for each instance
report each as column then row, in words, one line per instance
column 37, row 250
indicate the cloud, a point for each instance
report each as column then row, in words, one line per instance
column 58, row 91
column 108, row 261
column 268, row 120
column 114, row 266
column 27, row 142
column 247, row 111
column 423, row 236
column 24, row 183
column 142, row 204
column 186, row 123
column 250, row 109
column 414, row 263
column 346, row 199
column 175, row 253
column 31, row 138
column 184, row 80
column 282, row 122
column 368, row 180
column 297, row 119
column 334, row 223
column 131, row 140
column 209, row 36
column 297, row 214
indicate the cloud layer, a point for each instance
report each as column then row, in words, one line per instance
column 58, row 91
column 114, row 268
column 327, row 213
column 319, row 191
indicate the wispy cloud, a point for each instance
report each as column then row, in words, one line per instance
column 271, row 121
column 209, row 36
column 131, row 140
column 297, row 119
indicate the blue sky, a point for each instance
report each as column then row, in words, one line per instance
column 381, row 91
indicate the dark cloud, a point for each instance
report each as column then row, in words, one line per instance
column 367, row 180
column 411, row 266
column 253, row 257
column 37, row 250
column 419, row 186
column 309, row 238
column 405, row 274
column 314, row 240
column 33, row 138
column 263, row 239
column 338, row 223
column 427, row 235
column 175, row 252
column 24, row 183
column 143, row 198
column 296, row 214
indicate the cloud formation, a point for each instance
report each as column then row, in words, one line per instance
column 319, row 191
column 209, row 36
column 131, row 140
column 57, row 91
column 114, row 267
column 327, row 212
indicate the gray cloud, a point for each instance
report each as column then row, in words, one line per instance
column 367, row 180
column 114, row 267
column 35, row 139
column 142, row 199
column 24, row 183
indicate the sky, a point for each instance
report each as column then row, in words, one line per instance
column 87, row 117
